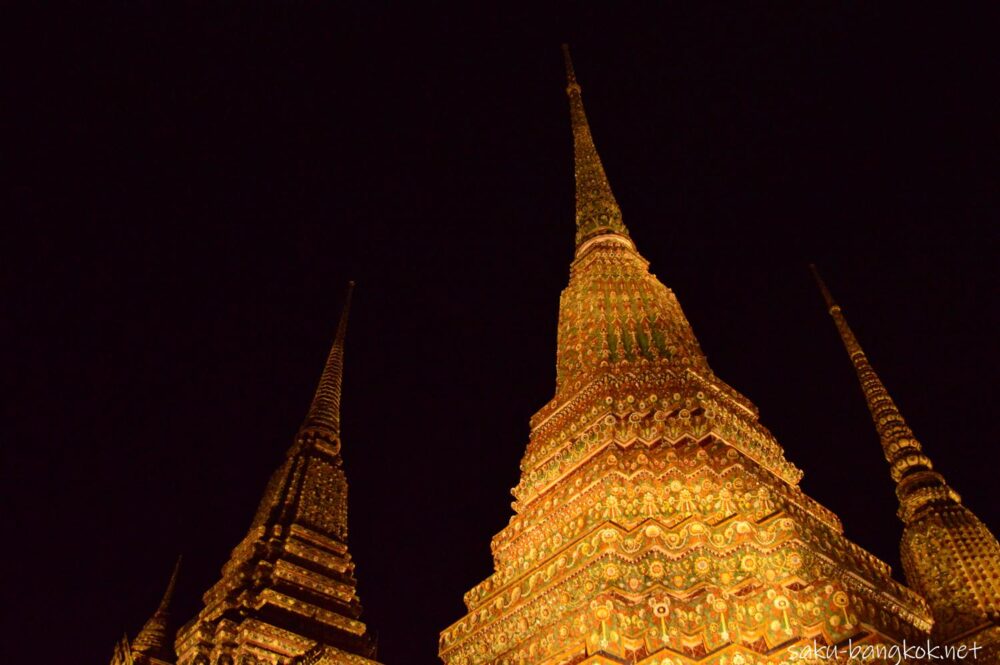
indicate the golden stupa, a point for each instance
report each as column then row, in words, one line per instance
column 657, row 521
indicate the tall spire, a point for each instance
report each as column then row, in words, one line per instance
column 949, row 556
column 288, row 588
column 656, row 519
column 597, row 211
column 154, row 639
column 614, row 309
column 324, row 412
column 917, row 484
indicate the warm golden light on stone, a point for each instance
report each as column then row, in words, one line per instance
column 288, row 593
column 656, row 520
column 154, row 644
column 948, row 554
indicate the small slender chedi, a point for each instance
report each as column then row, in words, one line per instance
column 949, row 556
column 153, row 645
column 288, row 594
column 656, row 520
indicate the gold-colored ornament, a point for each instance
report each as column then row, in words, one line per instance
column 949, row 556
column 153, row 645
column 656, row 520
column 288, row 594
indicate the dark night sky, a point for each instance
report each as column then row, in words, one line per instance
column 198, row 183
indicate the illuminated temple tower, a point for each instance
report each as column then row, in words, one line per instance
column 948, row 554
column 656, row 520
column 153, row 645
column 288, row 593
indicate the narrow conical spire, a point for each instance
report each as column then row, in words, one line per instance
column 949, row 556
column 597, row 211
column 916, row 483
column 324, row 412
column 288, row 591
column 168, row 594
column 154, row 638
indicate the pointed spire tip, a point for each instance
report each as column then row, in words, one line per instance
column 571, row 85
column 168, row 595
column 831, row 304
column 597, row 211
column 153, row 637
column 324, row 412
column 344, row 313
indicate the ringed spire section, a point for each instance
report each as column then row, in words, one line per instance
column 949, row 556
column 288, row 593
column 597, row 211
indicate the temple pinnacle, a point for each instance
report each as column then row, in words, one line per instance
column 153, row 639
column 597, row 211
column 168, row 594
column 571, row 85
column 949, row 556
column 324, row 412
column 827, row 296
column 288, row 594
column 909, row 467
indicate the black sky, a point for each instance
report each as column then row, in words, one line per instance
column 197, row 183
